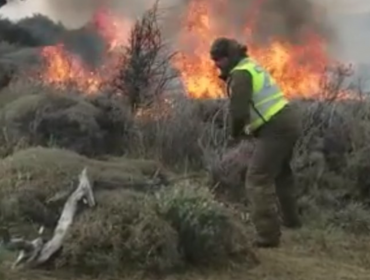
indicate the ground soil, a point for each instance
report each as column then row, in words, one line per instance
column 306, row 254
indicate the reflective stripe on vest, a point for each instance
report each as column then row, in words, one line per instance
column 267, row 99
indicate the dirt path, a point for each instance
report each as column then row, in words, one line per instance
column 304, row 255
column 309, row 255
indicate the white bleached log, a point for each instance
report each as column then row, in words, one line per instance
column 37, row 252
column 83, row 192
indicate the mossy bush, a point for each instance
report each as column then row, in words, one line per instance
column 208, row 232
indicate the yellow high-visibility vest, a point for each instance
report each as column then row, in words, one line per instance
column 267, row 98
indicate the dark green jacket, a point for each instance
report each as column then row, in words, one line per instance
column 240, row 87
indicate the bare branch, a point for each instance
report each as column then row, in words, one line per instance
column 147, row 68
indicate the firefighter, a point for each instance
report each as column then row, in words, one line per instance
column 259, row 110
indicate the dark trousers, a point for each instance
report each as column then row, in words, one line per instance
column 270, row 180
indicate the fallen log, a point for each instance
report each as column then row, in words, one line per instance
column 36, row 252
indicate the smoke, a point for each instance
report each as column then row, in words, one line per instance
column 350, row 21
column 283, row 18
column 343, row 23
column 37, row 23
column 73, row 13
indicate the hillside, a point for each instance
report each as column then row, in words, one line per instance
column 105, row 173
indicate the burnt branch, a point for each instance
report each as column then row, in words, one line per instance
column 333, row 86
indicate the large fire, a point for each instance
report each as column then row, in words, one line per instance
column 64, row 69
column 298, row 68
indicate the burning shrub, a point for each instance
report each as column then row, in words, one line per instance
column 65, row 120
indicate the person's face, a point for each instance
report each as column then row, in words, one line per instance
column 221, row 62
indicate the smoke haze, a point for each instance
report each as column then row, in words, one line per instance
column 343, row 22
column 275, row 17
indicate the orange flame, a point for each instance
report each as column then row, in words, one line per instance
column 197, row 71
column 115, row 30
column 297, row 68
column 63, row 69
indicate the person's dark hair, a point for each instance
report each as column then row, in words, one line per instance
column 243, row 51
column 230, row 48
column 226, row 47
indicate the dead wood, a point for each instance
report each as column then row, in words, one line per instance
column 36, row 252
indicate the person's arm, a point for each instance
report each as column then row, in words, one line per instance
column 241, row 90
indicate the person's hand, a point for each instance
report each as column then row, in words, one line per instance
column 248, row 130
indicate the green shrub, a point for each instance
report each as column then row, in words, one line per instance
column 208, row 232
